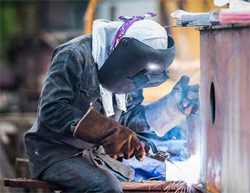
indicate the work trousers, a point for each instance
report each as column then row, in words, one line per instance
column 80, row 174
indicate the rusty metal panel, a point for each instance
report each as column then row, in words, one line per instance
column 154, row 186
column 225, row 108
column 193, row 135
column 129, row 187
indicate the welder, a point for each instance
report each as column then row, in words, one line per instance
column 91, row 104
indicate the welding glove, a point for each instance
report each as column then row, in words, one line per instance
column 117, row 140
column 170, row 110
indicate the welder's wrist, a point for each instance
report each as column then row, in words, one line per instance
column 162, row 127
column 93, row 127
column 163, row 115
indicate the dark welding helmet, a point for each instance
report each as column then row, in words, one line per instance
column 135, row 65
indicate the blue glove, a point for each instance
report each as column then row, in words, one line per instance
column 170, row 110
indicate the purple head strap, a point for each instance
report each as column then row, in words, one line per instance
column 128, row 21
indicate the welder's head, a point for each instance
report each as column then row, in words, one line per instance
column 140, row 54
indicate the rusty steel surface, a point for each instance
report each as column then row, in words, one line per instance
column 193, row 135
column 128, row 187
column 225, row 26
column 225, row 109
column 153, row 186
column 156, row 186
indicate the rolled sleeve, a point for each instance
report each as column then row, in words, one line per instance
column 60, row 89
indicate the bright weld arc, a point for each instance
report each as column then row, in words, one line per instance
column 189, row 171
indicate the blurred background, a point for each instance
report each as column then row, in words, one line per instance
column 31, row 30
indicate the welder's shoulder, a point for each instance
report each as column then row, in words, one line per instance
column 80, row 46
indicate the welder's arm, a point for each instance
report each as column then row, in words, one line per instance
column 168, row 112
column 60, row 89
column 135, row 118
column 116, row 139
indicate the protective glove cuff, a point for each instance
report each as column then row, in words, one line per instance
column 116, row 139
column 164, row 114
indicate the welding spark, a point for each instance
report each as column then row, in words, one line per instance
column 189, row 171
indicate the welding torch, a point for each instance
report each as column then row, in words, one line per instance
column 157, row 154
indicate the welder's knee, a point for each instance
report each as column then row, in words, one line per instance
column 103, row 181
column 109, row 183
column 81, row 175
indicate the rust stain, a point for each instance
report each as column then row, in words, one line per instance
column 225, row 62
column 211, row 189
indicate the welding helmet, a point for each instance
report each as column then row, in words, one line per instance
column 133, row 64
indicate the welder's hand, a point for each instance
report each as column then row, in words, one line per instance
column 122, row 142
column 186, row 96
column 168, row 112
column 116, row 139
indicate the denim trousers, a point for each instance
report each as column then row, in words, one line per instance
column 80, row 174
